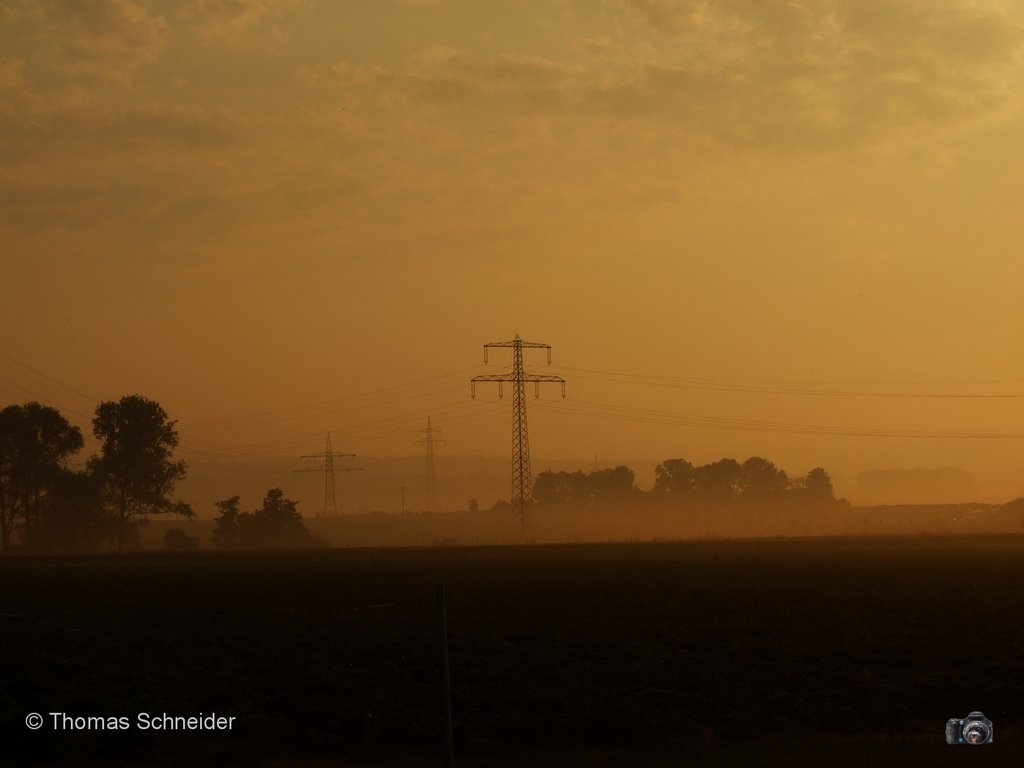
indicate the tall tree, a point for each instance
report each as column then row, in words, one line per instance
column 72, row 518
column 674, row 477
column 818, row 486
column 760, row 480
column 226, row 531
column 612, row 485
column 278, row 522
column 718, row 482
column 35, row 442
column 135, row 468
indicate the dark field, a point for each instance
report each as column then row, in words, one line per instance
column 802, row 652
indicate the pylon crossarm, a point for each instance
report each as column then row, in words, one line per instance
column 333, row 469
column 516, row 342
column 538, row 380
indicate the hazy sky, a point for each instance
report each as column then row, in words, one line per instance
column 238, row 207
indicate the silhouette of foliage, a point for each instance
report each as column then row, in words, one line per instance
column 674, row 477
column 566, row 488
column 611, row 485
column 756, row 481
column 225, row 530
column 760, row 480
column 35, row 442
column 276, row 524
column 818, row 485
column 134, row 468
column 719, row 482
column 579, row 489
column 72, row 518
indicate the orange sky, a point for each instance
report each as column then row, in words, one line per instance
column 252, row 209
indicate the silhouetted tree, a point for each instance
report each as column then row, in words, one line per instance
column 818, row 486
column 675, row 478
column 760, row 480
column 226, row 528
column 500, row 505
column 611, row 485
column 474, row 506
column 35, row 442
column 71, row 518
column 1015, row 506
column 277, row 523
column 134, row 468
column 575, row 489
column 561, row 488
column 719, row 482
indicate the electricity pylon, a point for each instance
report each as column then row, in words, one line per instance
column 431, row 481
column 522, row 481
column 329, row 455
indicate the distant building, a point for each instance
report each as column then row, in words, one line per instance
column 916, row 486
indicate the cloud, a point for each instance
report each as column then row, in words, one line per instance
column 790, row 73
column 69, row 122
column 780, row 75
column 222, row 20
column 598, row 46
column 447, row 76
column 11, row 73
column 103, row 39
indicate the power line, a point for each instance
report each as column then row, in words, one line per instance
column 773, row 388
column 392, row 425
column 368, row 432
column 650, row 416
column 318, row 409
column 9, row 362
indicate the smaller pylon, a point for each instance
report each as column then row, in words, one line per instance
column 329, row 455
column 429, row 441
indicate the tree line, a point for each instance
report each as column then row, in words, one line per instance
column 52, row 507
column 677, row 482
column 45, row 506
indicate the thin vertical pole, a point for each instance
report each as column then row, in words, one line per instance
column 446, row 688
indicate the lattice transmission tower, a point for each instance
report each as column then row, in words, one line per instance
column 522, row 480
column 329, row 455
column 429, row 440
